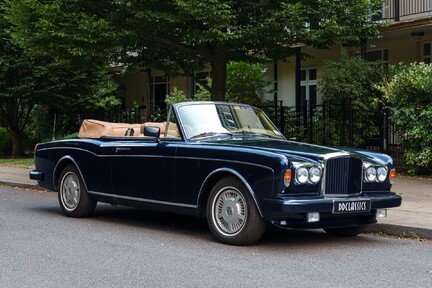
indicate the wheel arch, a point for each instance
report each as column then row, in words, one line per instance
column 212, row 179
column 61, row 164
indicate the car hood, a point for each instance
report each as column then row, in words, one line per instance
column 282, row 146
column 293, row 149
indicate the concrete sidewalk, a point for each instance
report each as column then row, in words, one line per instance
column 412, row 218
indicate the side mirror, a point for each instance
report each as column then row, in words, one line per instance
column 152, row 131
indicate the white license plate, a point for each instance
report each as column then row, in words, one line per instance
column 353, row 206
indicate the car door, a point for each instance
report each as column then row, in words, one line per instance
column 144, row 169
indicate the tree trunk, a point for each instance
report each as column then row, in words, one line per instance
column 218, row 73
column 16, row 143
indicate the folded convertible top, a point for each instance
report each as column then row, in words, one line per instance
column 91, row 128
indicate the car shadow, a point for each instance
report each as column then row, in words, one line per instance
column 196, row 228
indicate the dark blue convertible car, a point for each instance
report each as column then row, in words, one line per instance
column 226, row 162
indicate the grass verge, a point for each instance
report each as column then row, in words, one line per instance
column 17, row 162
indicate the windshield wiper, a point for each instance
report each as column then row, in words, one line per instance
column 251, row 134
column 210, row 134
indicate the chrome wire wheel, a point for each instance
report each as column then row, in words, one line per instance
column 70, row 190
column 229, row 211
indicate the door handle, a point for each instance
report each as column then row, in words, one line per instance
column 122, row 149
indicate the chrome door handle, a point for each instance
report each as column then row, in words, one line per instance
column 122, row 149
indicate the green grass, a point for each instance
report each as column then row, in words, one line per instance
column 17, row 162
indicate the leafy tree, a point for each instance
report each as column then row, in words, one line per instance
column 351, row 83
column 29, row 79
column 245, row 82
column 409, row 93
column 182, row 36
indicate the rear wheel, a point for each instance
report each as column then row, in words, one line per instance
column 73, row 197
column 232, row 215
column 346, row 231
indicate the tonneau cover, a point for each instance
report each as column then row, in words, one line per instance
column 91, row 128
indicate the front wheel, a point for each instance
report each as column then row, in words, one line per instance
column 232, row 215
column 346, row 231
column 73, row 197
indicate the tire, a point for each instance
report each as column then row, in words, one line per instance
column 73, row 197
column 232, row 215
column 346, row 231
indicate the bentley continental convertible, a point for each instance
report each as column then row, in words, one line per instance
column 222, row 161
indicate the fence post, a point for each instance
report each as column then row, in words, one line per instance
column 342, row 126
column 282, row 118
column 311, row 124
column 305, row 118
column 324, row 142
column 351, row 123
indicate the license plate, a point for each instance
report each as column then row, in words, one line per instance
column 353, row 206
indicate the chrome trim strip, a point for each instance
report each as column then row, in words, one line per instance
column 328, row 199
column 67, row 157
column 159, row 156
column 327, row 156
column 143, row 200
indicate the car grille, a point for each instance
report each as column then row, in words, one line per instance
column 343, row 176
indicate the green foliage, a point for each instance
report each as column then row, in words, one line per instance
column 5, row 142
column 409, row 93
column 411, row 85
column 186, row 35
column 351, row 82
column 35, row 78
column 245, row 82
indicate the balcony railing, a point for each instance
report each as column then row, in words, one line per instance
column 405, row 10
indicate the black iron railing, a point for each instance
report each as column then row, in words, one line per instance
column 399, row 10
column 337, row 125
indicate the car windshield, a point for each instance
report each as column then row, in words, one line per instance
column 217, row 120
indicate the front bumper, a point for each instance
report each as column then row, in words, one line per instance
column 291, row 212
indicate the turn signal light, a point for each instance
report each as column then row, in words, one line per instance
column 392, row 176
column 287, row 177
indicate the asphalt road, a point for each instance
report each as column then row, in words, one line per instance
column 125, row 247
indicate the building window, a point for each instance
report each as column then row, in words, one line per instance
column 160, row 88
column 380, row 56
column 308, row 87
column 202, row 77
column 427, row 53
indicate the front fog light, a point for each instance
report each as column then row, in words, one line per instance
column 381, row 213
column 312, row 217
column 370, row 174
column 302, row 175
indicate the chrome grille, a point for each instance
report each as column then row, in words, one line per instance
column 343, row 176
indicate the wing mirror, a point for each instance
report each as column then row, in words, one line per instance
column 152, row 131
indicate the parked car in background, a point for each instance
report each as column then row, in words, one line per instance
column 223, row 161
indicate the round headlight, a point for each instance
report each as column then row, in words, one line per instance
column 381, row 174
column 302, row 175
column 371, row 174
column 314, row 174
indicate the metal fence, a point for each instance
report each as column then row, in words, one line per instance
column 338, row 126
column 335, row 125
